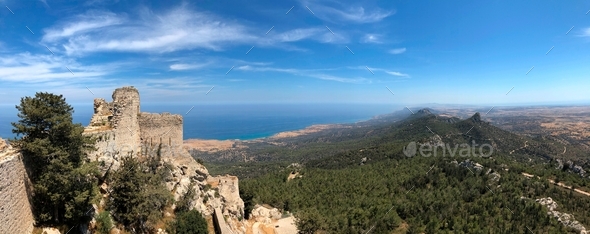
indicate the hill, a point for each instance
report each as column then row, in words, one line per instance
column 362, row 180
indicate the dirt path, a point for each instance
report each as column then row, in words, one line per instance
column 560, row 184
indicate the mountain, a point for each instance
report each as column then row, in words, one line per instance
column 370, row 183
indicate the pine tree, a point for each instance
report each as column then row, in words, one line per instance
column 53, row 150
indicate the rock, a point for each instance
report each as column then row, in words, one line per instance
column 566, row 219
column 476, row 118
column 51, row 231
column 182, row 187
column 104, row 188
column 363, row 161
column 265, row 214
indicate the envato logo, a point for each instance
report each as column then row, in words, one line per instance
column 464, row 150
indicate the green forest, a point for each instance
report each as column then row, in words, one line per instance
column 392, row 193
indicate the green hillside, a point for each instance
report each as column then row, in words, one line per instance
column 368, row 183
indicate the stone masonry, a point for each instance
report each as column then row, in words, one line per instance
column 15, row 210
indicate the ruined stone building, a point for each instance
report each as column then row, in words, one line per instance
column 122, row 128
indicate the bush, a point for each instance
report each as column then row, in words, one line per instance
column 103, row 222
column 190, row 222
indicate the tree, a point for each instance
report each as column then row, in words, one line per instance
column 189, row 222
column 53, row 150
column 139, row 194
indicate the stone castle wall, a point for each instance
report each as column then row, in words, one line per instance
column 121, row 129
column 162, row 128
column 16, row 214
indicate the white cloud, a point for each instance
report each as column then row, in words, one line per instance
column 184, row 66
column 393, row 73
column 28, row 68
column 298, row 34
column 91, row 21
column 175, row 30
column 371, row 38
column 374, row 69
column 314, row 73
column 341, row 79
column 585, row 32
column 397, row 51
column 347, row 14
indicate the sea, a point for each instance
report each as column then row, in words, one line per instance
column 235, row 121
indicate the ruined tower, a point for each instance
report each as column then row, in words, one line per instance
column 125, row 108
column 121, row 128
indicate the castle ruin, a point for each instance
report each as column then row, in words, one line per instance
column 121, row 128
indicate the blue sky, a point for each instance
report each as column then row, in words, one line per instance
column 448, row 52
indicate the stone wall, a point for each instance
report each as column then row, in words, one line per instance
column 125, row 122
column 161, row 128
column 15, row 210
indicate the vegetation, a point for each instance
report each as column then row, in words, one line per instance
column 53, row 150
column 189, row 222
column 391, row 192
column 139, row 195
column 103, row 222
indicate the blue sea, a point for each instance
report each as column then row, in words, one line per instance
column 236, row 121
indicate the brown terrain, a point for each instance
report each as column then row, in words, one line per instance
column 568, row 123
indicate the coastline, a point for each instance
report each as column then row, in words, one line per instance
column 213, row 145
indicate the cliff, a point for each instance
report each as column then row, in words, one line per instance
column 15, row 210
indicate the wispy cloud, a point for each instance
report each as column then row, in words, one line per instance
column 372, row 38
column 341, row 79
column 397, row 51
column 334, row 12
column 314, row 73
column 585, row 32
column 28, row 68
column 177, row 29
column 75, row 26
column 393, row 73
column 184, row 66
column 375, row 69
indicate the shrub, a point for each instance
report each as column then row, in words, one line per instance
column 190, row 222
column 103, row 222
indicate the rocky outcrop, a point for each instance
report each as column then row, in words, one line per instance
column 571, row 167
column 566, row 219
column 265, row 214
column 476, row 118
column 470, row 164
column 15, row 210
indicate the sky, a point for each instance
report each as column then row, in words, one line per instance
column 302, row 51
